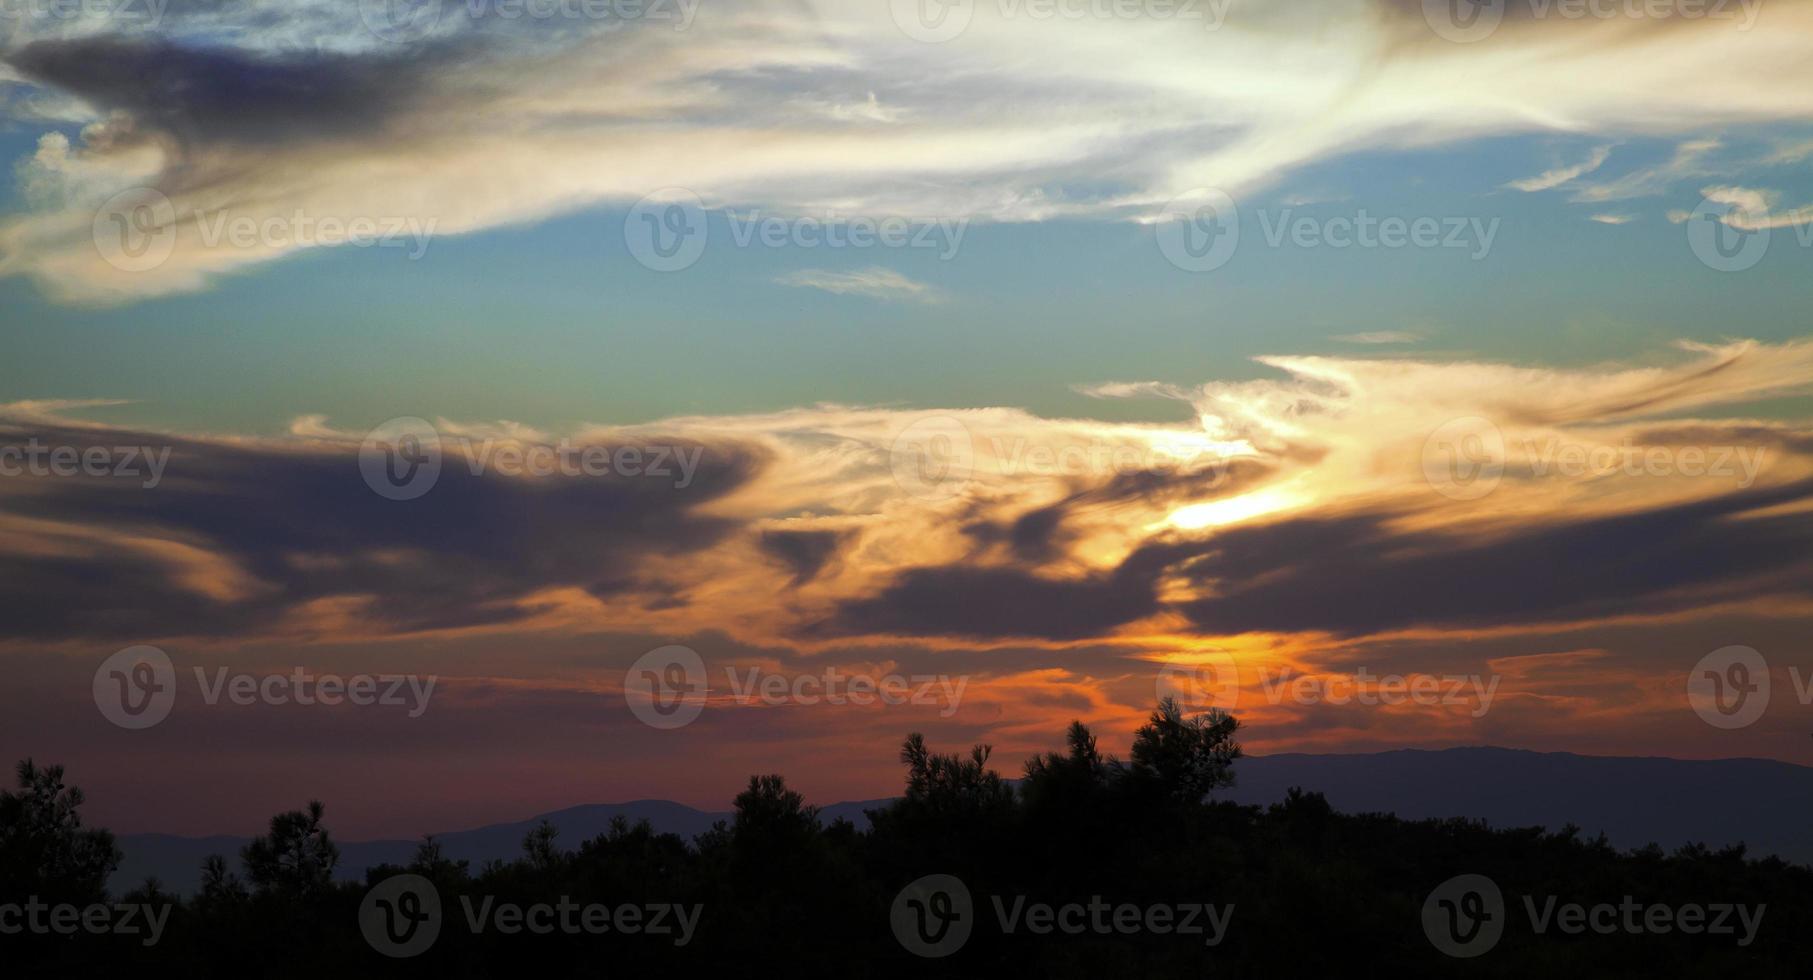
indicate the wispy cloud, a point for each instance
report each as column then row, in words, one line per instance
column 1379, row 337
column 1614, row 219
column 1690, row 159
column 1561, row 175
column 1749, row 209
column 835, row 109
column 873, row 282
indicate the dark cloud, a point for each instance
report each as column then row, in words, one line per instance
column 207, row 95
column 804, row 553
column 305, row 526
column 964, row 600
column 1359, row 574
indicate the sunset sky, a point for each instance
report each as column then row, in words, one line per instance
column 1030, row 448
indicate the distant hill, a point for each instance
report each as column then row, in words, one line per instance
column 1634, row 801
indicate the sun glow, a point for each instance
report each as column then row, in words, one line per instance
column 1233, row 510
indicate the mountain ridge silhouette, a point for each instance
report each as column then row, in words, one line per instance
column 1634, row 800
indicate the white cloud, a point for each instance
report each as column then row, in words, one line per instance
column 873, row 282
column 1561, row 175
column 1748, row 209
column 829, row 107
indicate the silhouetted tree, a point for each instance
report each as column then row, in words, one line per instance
column 539, row 848
column 296, row 858
column 1183, row 758
column 430, row 863
column 219, row 886
column 1069, row 779
column 768, row 812
column 44, row 849
column 950, row 785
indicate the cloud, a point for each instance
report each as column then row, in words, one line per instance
column 1614, row 219
column 873, row 282
column 1297, row 502
column 1560, row 175
column 248, row 537
column 826, row 107
column 1748, row 209
column 1690, row 159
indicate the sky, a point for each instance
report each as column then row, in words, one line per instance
column 1045, row 357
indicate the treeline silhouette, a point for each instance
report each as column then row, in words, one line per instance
column 1314, row 892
